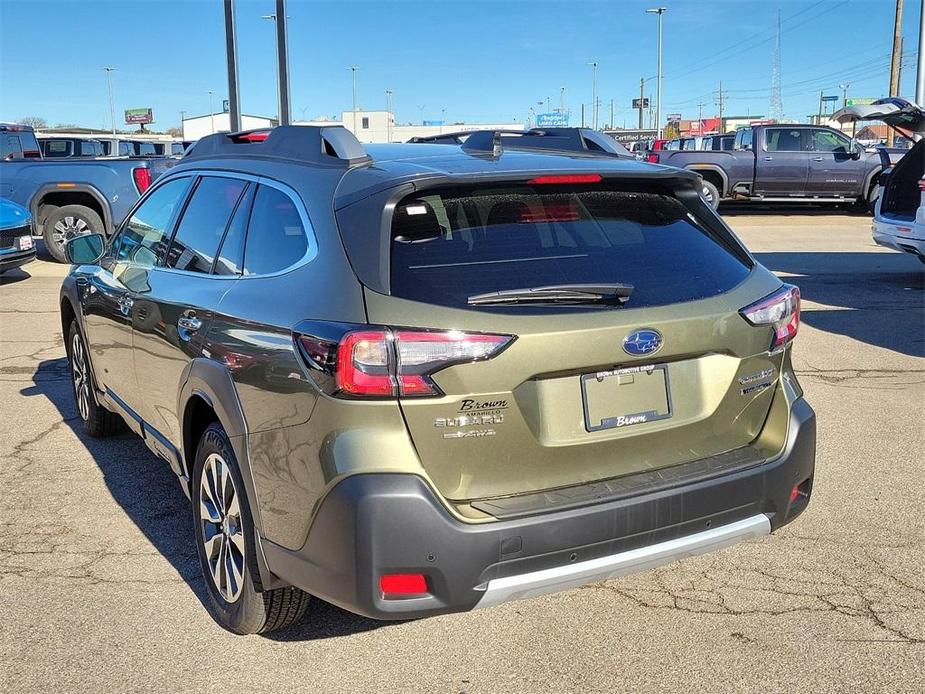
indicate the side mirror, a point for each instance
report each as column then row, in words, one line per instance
column 85, row 249
column 854, row 149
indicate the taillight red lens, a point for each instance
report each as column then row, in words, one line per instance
column 390, row 363
column 566, row 178
column 142, row 178
column 652, row 158
column 399, row 586
column 781, row 310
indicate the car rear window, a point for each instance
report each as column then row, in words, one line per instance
column 448, row 245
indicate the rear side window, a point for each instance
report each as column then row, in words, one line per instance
column 783, row 139
column 203, row 224
column 451, row 244
column 275, row 236
column 145, row 236
column 57, row 148
column 90, row 149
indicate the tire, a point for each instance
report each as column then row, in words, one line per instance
column 96, row 419
column 711, row 194
column 872, row 196
column 67, row 222
column 223, row 530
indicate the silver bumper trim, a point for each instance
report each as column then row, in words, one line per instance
column 529, row 585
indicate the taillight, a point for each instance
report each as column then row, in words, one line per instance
column 389, row 363
column 780, row 310
column 142, row 178
column 922, row 184
column 652, row 158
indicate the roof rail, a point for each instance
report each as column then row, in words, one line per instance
column 323, row 144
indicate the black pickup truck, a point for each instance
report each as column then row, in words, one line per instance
column 786, row 163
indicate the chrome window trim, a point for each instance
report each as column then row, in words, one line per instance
column 311, row 251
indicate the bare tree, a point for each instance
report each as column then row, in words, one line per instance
column 34, row 121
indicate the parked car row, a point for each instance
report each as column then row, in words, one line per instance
column 70, row 196
column 64, row 147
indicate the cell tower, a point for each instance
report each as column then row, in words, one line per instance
column 776, row 107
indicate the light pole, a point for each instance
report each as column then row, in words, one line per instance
column 211, row 112
column 658, row 84
column 388, row 114
column 593, row 94
column 442, row 119
column 182, row 118
column 844, row 94
column 421, row 109
column 561, row 99
column 112, row 109
column 353, row 71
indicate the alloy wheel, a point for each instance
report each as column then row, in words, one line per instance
column 222, row 532
column 68, row 227
column 81, row 376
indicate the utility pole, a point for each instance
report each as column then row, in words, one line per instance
column 231, row 57
column 611, row 114
column 721, row 103
column 819, row 122
column 642, row 97
column 421, row 109
column 211, row 113
column 660, row 11
column 593, row 65
column 582, row 115
column 112, row 109
column 353, row 70
column 700, row 118
column 388, row 114
column 920, row 72
column 895, row 61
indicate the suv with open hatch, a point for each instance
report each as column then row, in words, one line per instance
column 420, row 378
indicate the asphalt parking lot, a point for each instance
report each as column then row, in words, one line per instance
column 100, row 587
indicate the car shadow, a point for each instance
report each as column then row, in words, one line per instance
column 147, row 491
column 876, row 297
column 15, row 275
column 806, row 209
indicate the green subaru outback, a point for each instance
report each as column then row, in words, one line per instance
column 426, row 378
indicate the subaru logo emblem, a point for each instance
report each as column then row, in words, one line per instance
column 642, row 342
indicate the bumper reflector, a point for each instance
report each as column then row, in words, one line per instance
column 398, row 586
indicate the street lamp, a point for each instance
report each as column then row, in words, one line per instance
column 593, row 94
column 112, row 110
column 388, row 114
column 272, row 17
column 353, row 71
column 844, row 94
column 442, row 119
column 421, row 109
column 211, row 112
column 658, row 90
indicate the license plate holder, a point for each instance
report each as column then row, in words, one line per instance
column 25, row 243
column 625, row 397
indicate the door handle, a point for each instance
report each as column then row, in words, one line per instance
column 817, row 158
column 125, row 304
column 769, row 158
column 189, row 323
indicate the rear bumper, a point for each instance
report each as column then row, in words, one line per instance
column 375, row 524
column 904, row 237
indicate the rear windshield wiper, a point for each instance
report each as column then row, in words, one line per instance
column 557, row 294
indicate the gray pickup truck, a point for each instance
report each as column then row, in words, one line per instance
column 70, row 197
column 786, row 163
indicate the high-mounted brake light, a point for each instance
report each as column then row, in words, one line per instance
column 781, row 310
column 258, row 136
column 388, row 363
column 142, row 178
column 565, row 178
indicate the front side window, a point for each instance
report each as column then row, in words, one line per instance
column 203, row 224
column 784, row 140
column 825, row 141
column 275, row 236
column 145, row 236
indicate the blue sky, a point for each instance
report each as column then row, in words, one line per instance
column 481, row 61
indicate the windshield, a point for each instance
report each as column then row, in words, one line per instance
column 448, row 245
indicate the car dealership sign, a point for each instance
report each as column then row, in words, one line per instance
column 135, row 116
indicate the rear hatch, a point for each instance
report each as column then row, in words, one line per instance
column 631, row 356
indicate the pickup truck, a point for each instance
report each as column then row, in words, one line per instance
column 70, row 197
column 786, row 163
